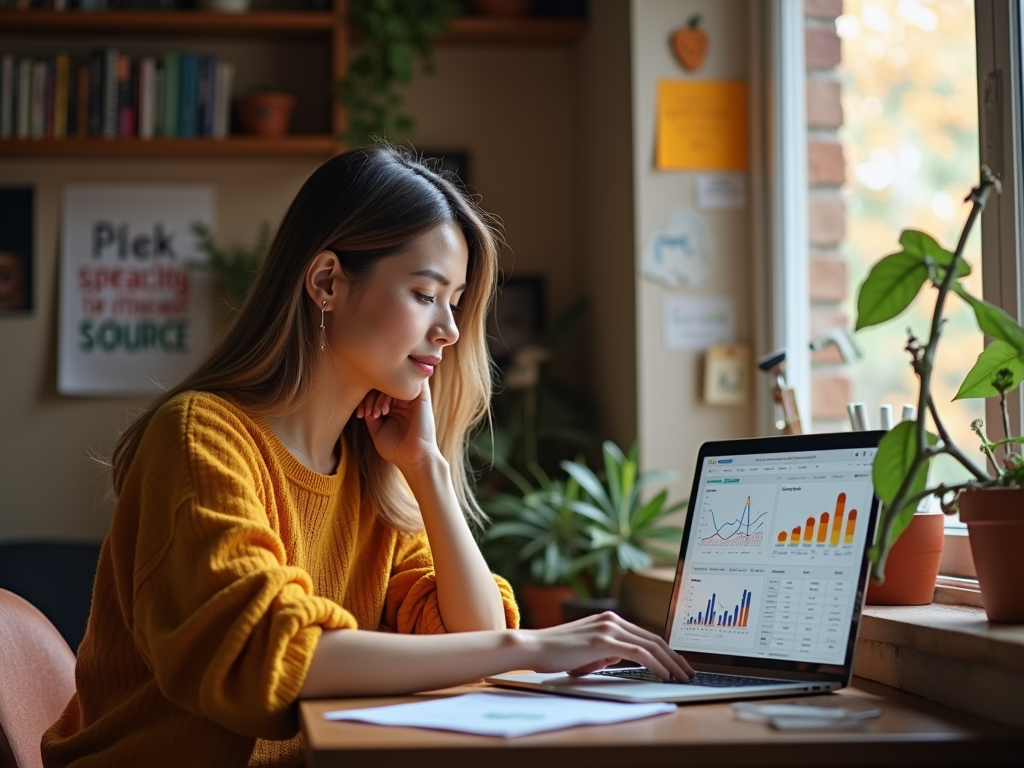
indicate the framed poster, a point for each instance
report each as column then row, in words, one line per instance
column 16, row 262
column 135, row 314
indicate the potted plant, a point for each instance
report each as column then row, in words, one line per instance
column 624, row 529
column 542, row 532
column 991, row 501
column 394, row 34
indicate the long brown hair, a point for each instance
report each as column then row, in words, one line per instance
column 364, row 205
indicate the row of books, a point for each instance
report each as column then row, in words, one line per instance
column 110, row 95
column 97, row 5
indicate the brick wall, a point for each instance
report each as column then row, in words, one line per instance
column 826, row 210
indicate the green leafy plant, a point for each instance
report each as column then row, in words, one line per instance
column 233, row 267
column 394, row 35
column 900, row 472
column 624, row 530
column 545, row 532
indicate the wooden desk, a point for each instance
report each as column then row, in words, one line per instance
column 911, row 731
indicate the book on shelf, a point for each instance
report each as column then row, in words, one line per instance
column 111, row 95
column 6, row 97
column 60, row 96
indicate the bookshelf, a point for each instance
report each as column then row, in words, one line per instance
column 328, row 30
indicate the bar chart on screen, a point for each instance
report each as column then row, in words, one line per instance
column 721, row 606
column 814, row 522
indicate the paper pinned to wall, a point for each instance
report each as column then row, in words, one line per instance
column 679, row 254
column 722, row 191
column 702, row 125
column 699, row 322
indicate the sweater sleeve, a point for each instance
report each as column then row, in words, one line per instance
column 411, row 605
column 227, row 627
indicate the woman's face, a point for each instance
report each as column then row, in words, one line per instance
column 391, row 331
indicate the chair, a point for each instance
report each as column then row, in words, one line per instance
column 56, row 577
column 37, row 679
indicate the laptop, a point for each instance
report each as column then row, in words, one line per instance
column 770, row 582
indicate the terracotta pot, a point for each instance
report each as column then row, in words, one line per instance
column 505, row 8
column 995, row 525
column 544, row 604
column 913, row 563
column 265, row 113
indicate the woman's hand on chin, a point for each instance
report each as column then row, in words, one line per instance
column 402, row 430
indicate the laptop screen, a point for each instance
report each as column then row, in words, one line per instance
column 773, row 561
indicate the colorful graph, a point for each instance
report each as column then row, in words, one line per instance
column 823, row 535
column 741, row 532
column 711, row 617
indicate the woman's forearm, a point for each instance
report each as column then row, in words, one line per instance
column 360, row 663
column 467, row 595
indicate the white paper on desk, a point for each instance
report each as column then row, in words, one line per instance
column 491, row 714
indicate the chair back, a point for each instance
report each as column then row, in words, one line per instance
column 37, row 679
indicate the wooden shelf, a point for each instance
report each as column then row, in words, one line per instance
column 256, row 23
column 475, row 30
column 234, row 146
column 465, row 30
column 325, row 27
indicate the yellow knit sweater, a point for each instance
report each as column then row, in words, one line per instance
column 226, row 560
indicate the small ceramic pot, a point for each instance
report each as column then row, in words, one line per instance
column 225, row 6
column 265, row 113
column 544, row 604
column 913, row 563
column 995, row 525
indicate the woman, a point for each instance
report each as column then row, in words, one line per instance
column 296, row 490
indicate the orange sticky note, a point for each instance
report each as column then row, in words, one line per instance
column 702, row 125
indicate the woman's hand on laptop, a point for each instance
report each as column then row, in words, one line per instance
column 584, row 646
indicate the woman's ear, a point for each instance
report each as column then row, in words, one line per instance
column 324, row 279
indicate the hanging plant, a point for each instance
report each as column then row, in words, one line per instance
column 394, row 35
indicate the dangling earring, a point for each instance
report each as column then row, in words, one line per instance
column 323, row 332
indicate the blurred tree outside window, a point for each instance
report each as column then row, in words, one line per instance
column 910, row 141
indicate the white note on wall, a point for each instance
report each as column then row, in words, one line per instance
column 722, row 191
column 698, row 322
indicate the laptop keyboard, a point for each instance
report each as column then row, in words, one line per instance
column 709, row 679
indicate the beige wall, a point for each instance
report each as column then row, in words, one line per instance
column 672, row 420
column 510, row 108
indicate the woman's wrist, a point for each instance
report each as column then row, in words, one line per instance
column 431, row 471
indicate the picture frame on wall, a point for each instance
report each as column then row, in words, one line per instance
column 517, row 318
column 17, row 274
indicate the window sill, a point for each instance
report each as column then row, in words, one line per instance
column 948, row 653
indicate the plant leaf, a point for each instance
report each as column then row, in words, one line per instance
column 671, row 533
column 891, row 285
column 631, row 557
column 995, row 357
column 896, row 451
column 614, row 475
column 650, row 511
column 591, row 512
column 588, row 481
column 921, row 244
column 993, row 320
column 511, row 528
